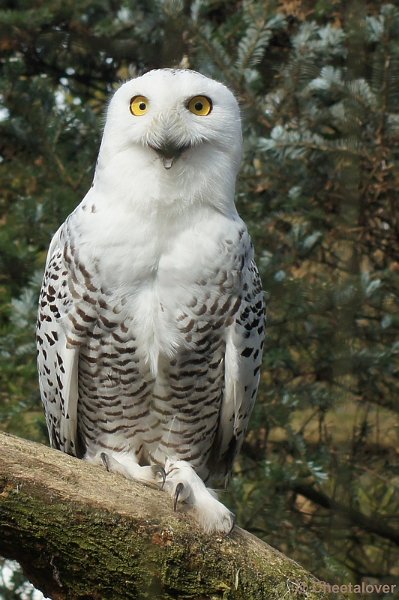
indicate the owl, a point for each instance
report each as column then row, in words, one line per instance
column 151, row 317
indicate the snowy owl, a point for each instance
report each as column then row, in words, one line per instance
column 151, row 317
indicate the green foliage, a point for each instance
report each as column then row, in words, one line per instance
column 319, row 90
column 324, row 176
column 20, row 409
column 13, row 584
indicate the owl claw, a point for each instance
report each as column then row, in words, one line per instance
column 158, row 470
column 233, row 522
column 178, row 490
column 104, row 460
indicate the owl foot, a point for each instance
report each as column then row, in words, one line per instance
column 184, row 485
column 126, row 464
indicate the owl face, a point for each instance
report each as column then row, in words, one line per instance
column 175, row 118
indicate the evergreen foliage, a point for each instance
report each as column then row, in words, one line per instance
column 319, row 88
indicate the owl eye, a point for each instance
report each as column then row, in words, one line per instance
column 200, row 106
column 139, row 105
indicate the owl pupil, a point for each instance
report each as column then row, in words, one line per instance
column 142, row 106
column 198, row 106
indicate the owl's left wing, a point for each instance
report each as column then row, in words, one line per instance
column 243, row 360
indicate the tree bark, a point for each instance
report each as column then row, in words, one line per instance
column 80, row 532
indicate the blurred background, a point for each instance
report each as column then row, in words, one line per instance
column 318, row 85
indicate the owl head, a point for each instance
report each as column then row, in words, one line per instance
column 177, row 130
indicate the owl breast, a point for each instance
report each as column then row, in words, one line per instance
column 153, row 363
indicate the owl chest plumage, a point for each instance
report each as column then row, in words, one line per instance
column 151, row 364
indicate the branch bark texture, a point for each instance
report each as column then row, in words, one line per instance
column 82, row 533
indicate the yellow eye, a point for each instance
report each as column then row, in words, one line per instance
column 139, row 105
column 200, row 105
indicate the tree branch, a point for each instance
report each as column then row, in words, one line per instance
column 371, row 524
column 80, row 532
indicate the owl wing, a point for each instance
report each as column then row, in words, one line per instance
column 243, row 359
column 63, row 321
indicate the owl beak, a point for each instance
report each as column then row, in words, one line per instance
column 168, row 152
column 168, row 161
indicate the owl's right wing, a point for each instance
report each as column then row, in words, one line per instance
column 65, row 315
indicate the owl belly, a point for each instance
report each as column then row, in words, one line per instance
column 151, row 374
column 151, row 380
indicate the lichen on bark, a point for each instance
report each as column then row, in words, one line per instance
column 82, row 533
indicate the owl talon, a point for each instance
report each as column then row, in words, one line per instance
column 158, row 470
column 104, row 460
column 178, row 490
column 233, row 523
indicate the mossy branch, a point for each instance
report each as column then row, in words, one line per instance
column 80, row 532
